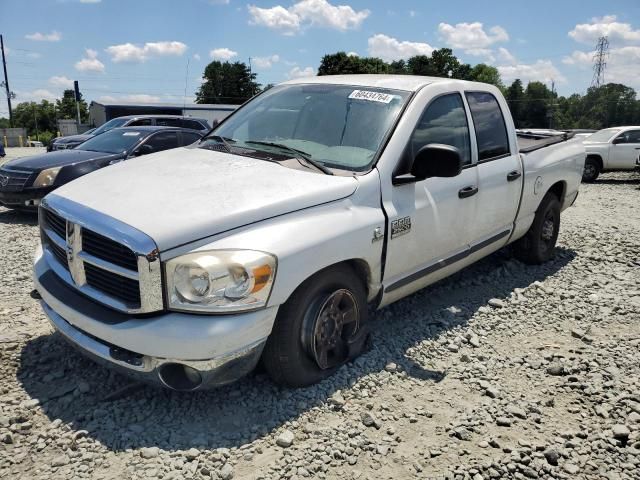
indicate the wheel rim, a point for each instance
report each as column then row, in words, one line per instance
column 329, row 329
column 548, row 230
column 589, row 170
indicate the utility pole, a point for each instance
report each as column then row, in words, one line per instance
column 35, row 119
column 600, row 61
column 6, row 82
column 76, row 89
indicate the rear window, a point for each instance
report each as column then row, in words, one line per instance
column 192, row 124
column 491, row 131
column 168, row 122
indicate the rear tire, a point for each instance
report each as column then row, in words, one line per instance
column 538, row 245
column 322, row 326
column 591, row 170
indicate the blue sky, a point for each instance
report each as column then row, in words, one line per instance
column 146, row 50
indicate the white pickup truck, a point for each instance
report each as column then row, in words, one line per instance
column 271, row 238
column 611, row 149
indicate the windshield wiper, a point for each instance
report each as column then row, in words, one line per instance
column 298, row 154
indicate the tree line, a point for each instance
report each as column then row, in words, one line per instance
column 532, row 106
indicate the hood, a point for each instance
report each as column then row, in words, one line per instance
column 185, row 194
column 58, row 158
column 73, row 139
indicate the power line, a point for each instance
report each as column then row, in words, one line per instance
column 599, row 61
column 5, row 84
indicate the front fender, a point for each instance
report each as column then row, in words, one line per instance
column 312, row 239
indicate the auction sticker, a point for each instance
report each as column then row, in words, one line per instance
column 131, row 134
column 371, row 96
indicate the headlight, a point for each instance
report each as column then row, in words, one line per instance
column 46, row 177
column 220, row 281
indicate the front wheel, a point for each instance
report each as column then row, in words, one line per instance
column 322, row 326
column 538, row 245
column 591, row 170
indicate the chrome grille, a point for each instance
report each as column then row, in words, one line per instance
column 95, row 263
column 13, row 180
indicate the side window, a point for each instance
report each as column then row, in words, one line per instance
column 444, row 121
column 162, row 141
column 491, row 131
column 139, row 123
column 168, row 122
column 188, row 138
column 632, row 136
column 192, row 124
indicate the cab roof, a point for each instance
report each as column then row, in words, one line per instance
column 410, row 83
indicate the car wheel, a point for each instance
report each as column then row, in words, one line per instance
column 322, row 326
column 538, row 245
column 591, row 170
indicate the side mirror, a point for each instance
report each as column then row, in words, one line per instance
column 433, row 160
column 618, row 140
column 143, row 150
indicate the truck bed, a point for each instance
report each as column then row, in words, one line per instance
column 531, row 141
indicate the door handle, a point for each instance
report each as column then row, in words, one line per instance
column 468, row 191
column 513, row 175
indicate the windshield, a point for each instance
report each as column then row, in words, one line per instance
column 111, row 124
column 603, row 135
column 335, row 125
column 113, row 141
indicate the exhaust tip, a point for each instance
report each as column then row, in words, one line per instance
column 179, row 377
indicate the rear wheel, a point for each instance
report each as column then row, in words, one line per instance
column 591, row 170
column 538, row 245
column 322, row 326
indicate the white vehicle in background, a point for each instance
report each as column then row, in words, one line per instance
column 611, row 149
column 271, row 238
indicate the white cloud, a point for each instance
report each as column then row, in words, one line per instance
column 61, row 81
column 605, row 26
column 265, row 62
column 219, row 2
column 623, row 64
column 222, row 54
column 90, row 62
column 352, row 54
column 90, row 1
column 196, row 56
column 297, row 72
column 541, row 70
column 389, row 48
column 44, row 37
column 317, row 13
column 505, row 56
column 487, row 53
column 128, row 52
column 35, row 95
column 469, row 36
column 139, row 98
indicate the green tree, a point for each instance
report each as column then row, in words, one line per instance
column 66, row 106
column 515, row 98
column 538, row 102
column 342, row 64
column 31, row 114
column 226, row 82
column 486, row 74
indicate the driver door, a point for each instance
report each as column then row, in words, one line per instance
column 624, row 154
column 431, row 221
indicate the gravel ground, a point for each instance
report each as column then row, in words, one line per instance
column 17, row 152
column 502, row 371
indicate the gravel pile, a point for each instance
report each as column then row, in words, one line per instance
column 503, row 371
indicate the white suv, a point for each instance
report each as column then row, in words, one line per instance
column 615, row 148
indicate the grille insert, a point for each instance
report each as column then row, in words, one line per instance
column 55, row 223
column 15, row 181
column 59, row 253
column 124, row 289
column 108, row 250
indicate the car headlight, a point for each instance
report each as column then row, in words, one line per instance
column 46, row 177
column 219, row 281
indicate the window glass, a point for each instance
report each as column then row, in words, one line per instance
column 168, row 122
column 631, row 136
column 140, row 122
column 444, row 121
column 113, row 141
column 189, row 138
column 162, row 141
column 114, row 123
column 491, row 131
column 192, row 124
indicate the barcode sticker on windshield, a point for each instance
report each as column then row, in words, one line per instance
column 130, row 134
column 371, row 96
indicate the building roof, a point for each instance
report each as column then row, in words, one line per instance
column 186, row 106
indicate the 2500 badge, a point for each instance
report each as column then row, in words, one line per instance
column 400, row 226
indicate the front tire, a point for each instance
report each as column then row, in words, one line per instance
column 538, row 245
column 591, row 170
column 322, row 326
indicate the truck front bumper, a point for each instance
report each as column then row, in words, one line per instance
column 176, row 350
